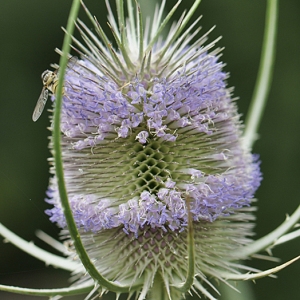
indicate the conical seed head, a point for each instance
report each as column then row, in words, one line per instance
column 141, row 134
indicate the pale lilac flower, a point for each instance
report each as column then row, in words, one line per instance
column 143, row 132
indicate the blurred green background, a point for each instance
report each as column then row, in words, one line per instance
column 29, row 32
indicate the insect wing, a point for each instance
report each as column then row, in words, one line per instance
column 72, row 61
column 44, row 94
column 40, row 105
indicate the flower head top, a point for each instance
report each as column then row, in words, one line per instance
column 146, row 126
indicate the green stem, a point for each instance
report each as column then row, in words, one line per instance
column 158, row 290
column 264, row 78
column 93, row 272
column 244, row 287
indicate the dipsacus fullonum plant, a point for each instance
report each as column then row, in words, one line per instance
column 159, row 178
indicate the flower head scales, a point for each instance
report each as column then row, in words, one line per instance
column 145, row 129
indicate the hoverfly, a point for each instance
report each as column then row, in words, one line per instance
column 50, row 82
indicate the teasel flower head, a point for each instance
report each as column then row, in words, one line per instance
column 152, row 147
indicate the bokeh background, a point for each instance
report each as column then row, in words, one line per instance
column 29, row 32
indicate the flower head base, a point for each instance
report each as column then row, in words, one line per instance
column 126, row 259
column 144, row 129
